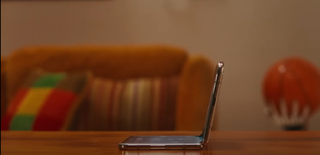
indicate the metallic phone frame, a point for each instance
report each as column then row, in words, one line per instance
column 206, row 130
column 163, row 146
column 212, row 104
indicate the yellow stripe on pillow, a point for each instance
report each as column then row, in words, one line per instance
column 34, row 100
column 130, row 105
column 156, row 102
column 116, row 105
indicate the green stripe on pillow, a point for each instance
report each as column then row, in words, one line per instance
column 50, row 80
column 22, row 122
column 129, row 105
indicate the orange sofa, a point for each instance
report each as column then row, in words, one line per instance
column 196, row 73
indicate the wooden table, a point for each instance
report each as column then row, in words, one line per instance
column 106, row 143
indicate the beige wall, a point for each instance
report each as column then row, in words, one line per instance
column 248, row 35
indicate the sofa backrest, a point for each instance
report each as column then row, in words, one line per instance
column 112, row 62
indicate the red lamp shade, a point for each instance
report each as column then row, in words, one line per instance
column 291, row 89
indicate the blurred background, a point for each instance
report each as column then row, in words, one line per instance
column 248, row 35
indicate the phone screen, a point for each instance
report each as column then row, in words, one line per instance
column 163, row 139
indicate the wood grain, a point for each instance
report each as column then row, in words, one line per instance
column 106, row 143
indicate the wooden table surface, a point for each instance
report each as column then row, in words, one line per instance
column 106, row 143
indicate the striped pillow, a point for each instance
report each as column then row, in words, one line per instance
column 131, row 105
column 45, row 102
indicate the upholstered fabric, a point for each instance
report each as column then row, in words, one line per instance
column 3, row 86
column 194, row 93
column 45, row 102
column 112, row 62
column 125, row 62
column 130, row 105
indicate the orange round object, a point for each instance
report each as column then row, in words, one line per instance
column 292, row 81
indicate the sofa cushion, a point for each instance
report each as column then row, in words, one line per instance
column 112, row 61
column 46, row 101
column 130, row 105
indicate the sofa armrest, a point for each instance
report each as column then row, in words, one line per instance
column 194, row 94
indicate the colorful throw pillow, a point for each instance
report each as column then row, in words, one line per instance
column 46, row 102
column 130, row 105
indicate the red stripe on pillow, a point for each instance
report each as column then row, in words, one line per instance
column 100, row 101
column 152, row 97
column 156, row 103
column 171, row 107
column 110, row 108
column 162, row 106
column 117, row 108
column 84, row 116
column 54, row 111
column 15, row 104
column 135, row 105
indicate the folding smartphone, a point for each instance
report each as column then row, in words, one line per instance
column 180, row 142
